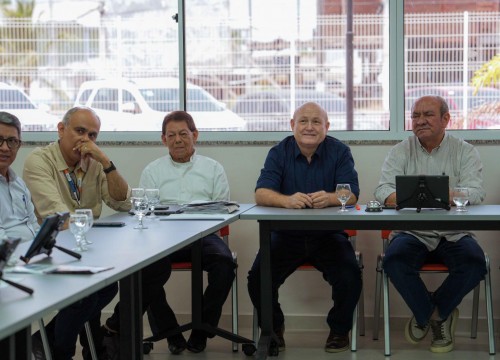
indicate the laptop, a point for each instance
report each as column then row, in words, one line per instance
column 422, row 191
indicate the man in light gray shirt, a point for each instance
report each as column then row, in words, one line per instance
column 17, row 213
column 432, row 151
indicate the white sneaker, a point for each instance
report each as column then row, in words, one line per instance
column 415, row 333
column 443, row 333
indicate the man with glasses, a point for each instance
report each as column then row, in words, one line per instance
column 432, row 151
column 17, row 214
column 302, row 171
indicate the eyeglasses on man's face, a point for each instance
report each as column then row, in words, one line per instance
column 12, row 142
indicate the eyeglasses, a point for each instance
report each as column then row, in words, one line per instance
column 12, row 142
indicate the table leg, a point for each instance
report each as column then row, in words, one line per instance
column 267, row 332
column 131, row 317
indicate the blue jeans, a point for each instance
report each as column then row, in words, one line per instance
column 404, row 257
column 63, row 329
column 330, row 253
column 217, row 261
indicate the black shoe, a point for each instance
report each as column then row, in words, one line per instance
column 37, row 346
column 336, row 343
column 197, row 341
column 280, row 333
column 176, row 344
column 111, row 344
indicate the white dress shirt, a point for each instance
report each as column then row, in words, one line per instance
column 201, row 178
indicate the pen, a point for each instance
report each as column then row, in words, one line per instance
column 357, row 207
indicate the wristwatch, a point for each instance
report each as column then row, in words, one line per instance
column 110, row 168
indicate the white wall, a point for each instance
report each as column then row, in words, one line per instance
column 305, row 296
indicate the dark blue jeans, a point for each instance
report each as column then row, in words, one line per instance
column 217, row 261
column 332, row 254
column 405, row 255
column 63, row 329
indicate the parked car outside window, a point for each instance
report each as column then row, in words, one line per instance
column 141, row 104
column 271, row 110
column 33, row 118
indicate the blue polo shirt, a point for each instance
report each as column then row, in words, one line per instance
column 287, row 171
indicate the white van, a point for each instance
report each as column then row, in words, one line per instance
column 141, row 104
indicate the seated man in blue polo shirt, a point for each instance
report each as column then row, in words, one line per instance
column 302, row 171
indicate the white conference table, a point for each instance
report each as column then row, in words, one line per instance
column 479, row 217
column 126, row 249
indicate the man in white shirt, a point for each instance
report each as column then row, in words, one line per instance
column 183, row 176
column 432, row 151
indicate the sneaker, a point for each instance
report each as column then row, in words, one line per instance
column 176, row 344
column 197, row 341
column 336, row 343
column 415, row 333
column 443, row 333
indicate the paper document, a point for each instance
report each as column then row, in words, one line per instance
column 56, row 269
column 211, row 207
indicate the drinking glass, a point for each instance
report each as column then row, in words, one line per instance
column 153, row 197
column 77, row 224
column 343, row 193
column 140, row 206
column 461, row 198
column 136, row 193
column 90, row 222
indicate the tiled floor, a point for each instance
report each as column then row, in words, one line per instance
column 309, row 346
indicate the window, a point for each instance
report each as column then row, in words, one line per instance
column 248, row 67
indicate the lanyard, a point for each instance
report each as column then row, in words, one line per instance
column 72, row 186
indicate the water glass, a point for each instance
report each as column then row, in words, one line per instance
column 140, row 206
column 77, row 225
column 461, row 198
column 153, row 197
column 138, row 192
column 343, row 192
column 90, row 223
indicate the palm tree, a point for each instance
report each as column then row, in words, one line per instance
column 487, row 75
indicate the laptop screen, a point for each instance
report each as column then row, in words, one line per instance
column 422, row 191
